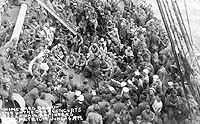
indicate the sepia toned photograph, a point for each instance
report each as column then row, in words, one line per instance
column 99, row 62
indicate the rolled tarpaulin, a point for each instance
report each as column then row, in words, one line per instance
column 20, row 100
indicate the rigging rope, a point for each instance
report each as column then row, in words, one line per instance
column 172, row 43
column 187, row 42
column 180, row 21
column 174, row 32
column 188, row 21
column 172, row 24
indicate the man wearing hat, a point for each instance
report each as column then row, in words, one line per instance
column 80, row 63
column 120, row 50
column 109, row 116
column 79, row 103
column 170, row 88
column 117, row 119
column 148, row 115
column 157, row 84
column 94, row 117
column 70, row 95
column 49, row 98
column 116, row 71
column 88, row 95
column 125, row 90
column 32, row 82
column 180, row 91
column 33, row 94
column 171, row 103
column 3, row 92
column 145, row 77
column 162, row 73
column 41, row 102
column 103, row 105
column 3, row 8
column 71, row 60
column 70, row 81
column 94, row 102
column 85, row 86
column 118, row 106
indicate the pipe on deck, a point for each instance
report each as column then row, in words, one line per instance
column 18, row 26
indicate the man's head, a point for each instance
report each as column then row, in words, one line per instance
column 80, row 98
column 96, row 108
column 85, row 82
column 158, row 99
column 170, row 84
column 176, row 85
column 174, row 93
column 146, row 71
column 155, row 78
column 71, row 76
column 43, row 96
column 148, row 109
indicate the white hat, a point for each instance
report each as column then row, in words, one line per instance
column 80, row 98
column 170, row 83
column 53, row 29
column 111, row 88
column 130, row 82
column 130, row 53
column 128, row 47
column 115, row 29
column 125, row 90
column 156, row 77
column 152, row 89
column 137, row 73
column 44, row 66
column 102, row 39
column 94, row 93
column 133, row 78
column 123, row 84
column 144, row 29
column 77, row 93
column 146, row 71
column 132, row 30
column 122, row 45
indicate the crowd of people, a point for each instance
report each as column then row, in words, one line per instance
column 120, row 51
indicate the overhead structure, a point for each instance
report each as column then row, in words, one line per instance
column 71, row 27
